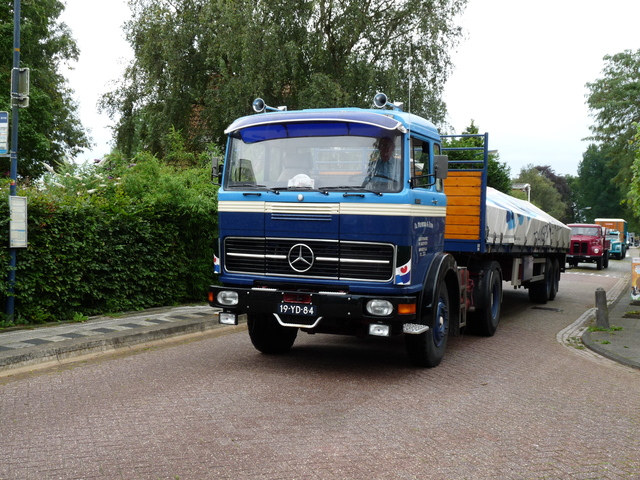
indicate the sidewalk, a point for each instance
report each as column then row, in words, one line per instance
column 24, row 348
column 621, row 342
column 35, row 347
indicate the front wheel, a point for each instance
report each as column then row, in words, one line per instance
column 268, row 336
column 427, row 349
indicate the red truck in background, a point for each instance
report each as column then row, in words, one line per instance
column 589, row 244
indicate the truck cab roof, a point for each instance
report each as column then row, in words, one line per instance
column 385, row 119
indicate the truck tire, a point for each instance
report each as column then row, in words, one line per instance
column 487, row 317
column 556, row 279
column 599, row 263
column 540, row 291
column 268, row 336
column 605, row 262
column 427, row 349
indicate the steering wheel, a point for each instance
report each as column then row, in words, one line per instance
column 379, row 175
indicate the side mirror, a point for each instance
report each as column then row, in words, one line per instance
column 216, row 170
column 441, row 166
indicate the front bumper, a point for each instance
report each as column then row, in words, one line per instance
column 334, row 311
column 584, row 258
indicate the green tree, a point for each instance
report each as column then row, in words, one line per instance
column 633, row 196
column 498, row 173
column 199, row 64
column 596, row 194
column 544, row 194
column 49, row 129
column 613, row 101
column 563, row 188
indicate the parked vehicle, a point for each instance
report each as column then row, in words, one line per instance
column 589, row 244
column 617, row 228
column 350, row 221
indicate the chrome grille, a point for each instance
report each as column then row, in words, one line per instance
column 332, row 259
column 579, row 248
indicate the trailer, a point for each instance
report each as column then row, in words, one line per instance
column 351, row 221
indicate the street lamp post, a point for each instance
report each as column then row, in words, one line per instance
column 525, row 187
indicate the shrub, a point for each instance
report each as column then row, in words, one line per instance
column 119, row 235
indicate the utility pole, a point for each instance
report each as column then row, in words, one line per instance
column 18, row 99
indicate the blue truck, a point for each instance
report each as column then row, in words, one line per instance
column 353, row 221
column 617, row 234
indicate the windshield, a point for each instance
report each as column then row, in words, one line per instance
column 591, row 231
column 320, row 156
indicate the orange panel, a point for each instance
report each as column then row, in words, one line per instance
column 455, row 231
column 463, row 220
column 463, row 189
column 455, row 201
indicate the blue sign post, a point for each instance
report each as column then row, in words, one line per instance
column 11, row 281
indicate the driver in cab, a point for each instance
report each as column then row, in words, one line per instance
column 383, row 170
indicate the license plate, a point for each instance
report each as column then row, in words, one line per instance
column 298, row 309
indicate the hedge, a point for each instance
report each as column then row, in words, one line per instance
column 115, row 237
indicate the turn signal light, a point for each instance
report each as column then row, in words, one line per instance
column 407, row 308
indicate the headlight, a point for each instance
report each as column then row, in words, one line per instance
column 596, row 250
column 227, row 298
column 380, row 308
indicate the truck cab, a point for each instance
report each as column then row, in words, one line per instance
column 618, row 246
column 589, row 244
column 333, row 220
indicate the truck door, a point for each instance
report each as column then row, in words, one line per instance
column 428, row 198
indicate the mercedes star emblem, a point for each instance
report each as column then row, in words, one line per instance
column 300, row 257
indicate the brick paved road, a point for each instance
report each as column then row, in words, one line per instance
column 518, row 405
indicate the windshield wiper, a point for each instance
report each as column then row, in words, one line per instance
column 358, row 188
column 275, row 190
column 344, row 187
column 247, row 184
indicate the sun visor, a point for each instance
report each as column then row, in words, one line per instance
column 342, row 122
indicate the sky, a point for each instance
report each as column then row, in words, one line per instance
column 519, row 72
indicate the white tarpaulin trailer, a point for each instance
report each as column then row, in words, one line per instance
column 511, row 221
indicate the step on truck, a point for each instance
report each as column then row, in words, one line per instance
column 352, row 221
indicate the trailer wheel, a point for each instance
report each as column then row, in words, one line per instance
column 556, row 279
column 540, row 291
column 488, row 317
column 427, row 349
column 268, row 336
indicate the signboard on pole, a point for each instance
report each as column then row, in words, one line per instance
column 4, row 133
column 18, row 222
column 635, row 280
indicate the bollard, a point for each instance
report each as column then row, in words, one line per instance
column 602, row 312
